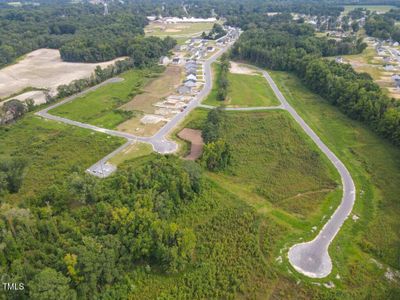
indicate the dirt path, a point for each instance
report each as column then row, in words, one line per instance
column 194, row 137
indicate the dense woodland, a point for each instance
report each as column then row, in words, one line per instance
column 288, row 46
column 115, row 224
column 383, row 26
column 81, row 32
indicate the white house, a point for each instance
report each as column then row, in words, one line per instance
column 191, row 77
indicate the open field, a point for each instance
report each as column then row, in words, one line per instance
column 242, row 233
column 369, row 62
column 52, row 150
column 42, row 69
column 178, row 30
column 364, row 249
column 273, row 159
column 101, row 107
column 156, row 89
column 135, row 150
column 244, row 90
column 135, row 126
column 372, row 8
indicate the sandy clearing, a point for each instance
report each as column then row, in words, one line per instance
column 44, row 69
column 38, row 97
column 237, row 68
column 194, row 137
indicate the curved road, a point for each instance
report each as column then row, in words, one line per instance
column 312, row 258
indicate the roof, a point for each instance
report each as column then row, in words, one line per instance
column 191, row 76
column 190, row 83
column 184, row 89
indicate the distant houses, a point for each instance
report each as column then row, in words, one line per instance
column 396, row 79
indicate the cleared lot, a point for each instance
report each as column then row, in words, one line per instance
column 42, row 69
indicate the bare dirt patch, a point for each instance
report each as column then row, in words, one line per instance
column 237, row 68
column 43, row 69
column 194, row 137
column 135, row 126
column 39, row 97
column 155, row 90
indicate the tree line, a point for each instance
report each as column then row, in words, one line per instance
column 383, row 26
column 222, row 77
column 278, row 48
column 80, row 31
column 216, row 154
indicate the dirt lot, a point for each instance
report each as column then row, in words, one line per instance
column 238, row 68
column 42, row 68
column 194, row 137
column 135, row 126
column 155, row 90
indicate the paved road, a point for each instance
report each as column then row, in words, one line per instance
column 158, row 141
column 312, row 258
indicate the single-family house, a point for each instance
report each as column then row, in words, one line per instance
column 191, row 77
column 190, row 83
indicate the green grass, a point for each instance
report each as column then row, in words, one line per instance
column 178, row 30
column 250, row 213
column 375, row 168
column 132, row 152
column 244, row 91
column 274, row 159
column 100, row 107
column 372, row 8
column 52, row 150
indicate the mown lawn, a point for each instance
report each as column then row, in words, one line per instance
column 244, row 91
column 52, row 150
column 101, row 107
column 375, row 168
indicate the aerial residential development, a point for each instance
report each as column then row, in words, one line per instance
column 218, row 149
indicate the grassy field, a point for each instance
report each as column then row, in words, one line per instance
column 375, row 168
column 101, row 107
column 179, row 30
column 52, row 150
column 372, row 8
column 369, row 62
column 277, row 187
column 244, row 90
column 133, row 151
column 156, row 89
